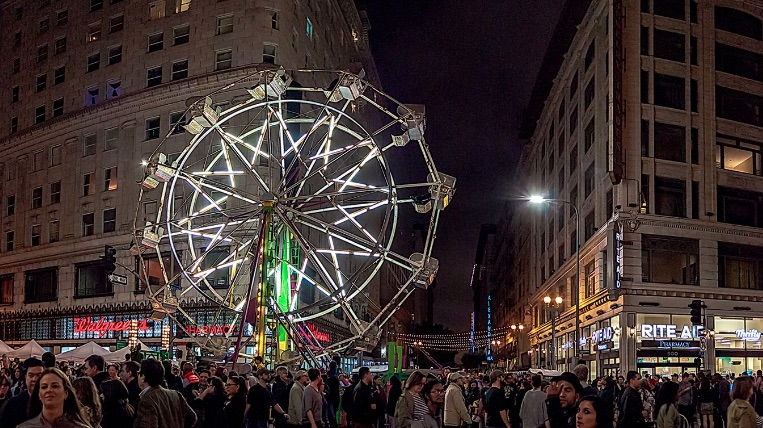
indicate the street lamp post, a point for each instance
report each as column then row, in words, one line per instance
column 576, row 286
column 553, row 310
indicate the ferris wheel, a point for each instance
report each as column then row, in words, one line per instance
column 283, row 207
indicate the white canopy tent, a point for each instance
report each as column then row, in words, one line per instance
column 80, row 353
column 4, row 348
column 118, row 356
column 31, row 349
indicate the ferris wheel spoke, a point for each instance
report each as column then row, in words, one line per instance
column 242, row 159
column 320, row 225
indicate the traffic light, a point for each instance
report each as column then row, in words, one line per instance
column 109, row 259
column 696, row 312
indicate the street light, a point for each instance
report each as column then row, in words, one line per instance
column 536, row 199
column 551, row 309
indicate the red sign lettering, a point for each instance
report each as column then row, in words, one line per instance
column 210, row 329
column 101, row 327
column 321, row 336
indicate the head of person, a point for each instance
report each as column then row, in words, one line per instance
column 621, row 380
column 743, row 388
column 113, row 370
column 235, row 386
column 94, row 364
column 218, row 385
column 634, row 379
column 433, row 392
column 364, row 373
column 581, row 371
column 258, row 360
column 32, row 369
column 473, row 384
column 685, row 376
column 395, row 383
column 668, row 394
column 536, row 381
column 282, row 374
column 263, row 374
column 594, row 412
column 495, row 377
column 301, row 377
column 5, row 386
column 415, row 382
column 314, row 375
column 456, row 378
column 187, row 367
column 54, row 391
column 151, row 373
column 204, row 376
column 129, row 371
column 48, row 359
column 114, row 390
column 88, row 395
column 570, row 389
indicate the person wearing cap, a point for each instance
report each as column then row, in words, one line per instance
column 296, row 393
column 260, row 400
column 631, row 406
column 496, row 403
column 456, row 414
column 562, row 397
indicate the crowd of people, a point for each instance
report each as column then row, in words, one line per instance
column 43, row 393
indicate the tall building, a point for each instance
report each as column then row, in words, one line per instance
column 89, row 90
column 646, row 118
column 481, row 283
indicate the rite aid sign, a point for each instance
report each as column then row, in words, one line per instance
column 670, row 331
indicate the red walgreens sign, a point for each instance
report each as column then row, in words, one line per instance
column 87, row 325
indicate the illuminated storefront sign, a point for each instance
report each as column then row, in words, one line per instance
column 87, row 325
column 319, row 335
column 670, row 331
column 603, row 335
column 210, row 329
column 751, row 335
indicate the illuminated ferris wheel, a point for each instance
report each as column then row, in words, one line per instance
column 283, row 207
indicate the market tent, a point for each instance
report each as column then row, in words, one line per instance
column 80, row 353
column 118, row 356
column 31, row 349
column 4, row 348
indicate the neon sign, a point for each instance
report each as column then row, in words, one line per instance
column 750, row 335
column 670, row 331
column 319, row 335
column 87, row 325
column 210, row 329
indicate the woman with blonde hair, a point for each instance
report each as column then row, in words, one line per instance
column 411, row 405
column 54, row 403
column 88, row 395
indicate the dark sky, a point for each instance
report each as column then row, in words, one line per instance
column 473, row 64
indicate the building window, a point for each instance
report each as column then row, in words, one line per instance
column 219, row 278
column 44, row 26
column 35, row 238
column 738, row 155
column 573, row 120
column 87, row 184
column 154, row 76
column 6, row 289
column 88, row 224
column 37, row 161
column 55, row 192
column 110, row 179
column 739, row 106
column 738, row 22
column 60, row 46
column 223, row 59
column 9, row 238
column 181, row 34
column 177, row 121
column 116, row 23
column 59, row 75
column 670, row 260
column 273, row 19
column 669, row 197
column 113, row 89
column 93, row 62
column 309, row 28
column 96, row 5
column 669, row 91
column 670, row 8
column 14, row 124
column 111, row 138
column 41, row 83
column 91, row 97
column 590, row 93
column 179, row 70
column 590, row 54
column 740, row 266
column 115, row 55
column 94, row 32
column 89, row 143
column 39, row 115
column 41, row 285
column 669, row 45
column 182, row 6
column 269, row 53
column 151, row 271
column 62, row 17
column 17, row 39
column 155, row 42
column 37, row 197
column 92, row 280
column 590, row 225
column 740, row 62
column 590, row 173
column 16, row 66
column 590, row 279
column 55, row 155
column 573, row 158
column 15, row 94
column 53, row 231
column 58, row 107
column 224, row 24
column 736, row 206
column 669, row 142
column 10, row 204
column 589, row 134
column 42, row 53
column 109, row 220
column 562, row 178
column 152, row 128
column 573, row 242
column 156, row 10
column 574, row 84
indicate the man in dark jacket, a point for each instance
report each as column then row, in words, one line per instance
column 280, row 388
column 363, row 401
column 631, row 406
column 562, row 398
column 129, row 375
column 160, row 407
column 14, row 412
column 95, row 367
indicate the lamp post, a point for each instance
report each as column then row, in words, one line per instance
column 551, row 310
column 576, row 286
column 514, row 329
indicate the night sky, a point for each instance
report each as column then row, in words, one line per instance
column 473, row 64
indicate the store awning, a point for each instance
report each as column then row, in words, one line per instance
column 4, row 348
column 31, row 349
column 80, row 353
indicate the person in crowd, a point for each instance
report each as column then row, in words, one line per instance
column 15, row 410
column 593, row 412
column 631, row 407
column 129, row 376
column 685, row 398
column 741, row 414
column 54, row 403
column 160, row 407
column 533, row 411
column 405, row 409
column 648, row 400
column 363, row 402
column 666, row 412
column 213, row 399
column 48, row 360
column 455, row 413
column 496, row 403
column 562, row 396
column 280, row 389
column 204, row 376
column 380, row 398
column 312, row 400
column 116, row 408
column 296, row 396
column 346, row 402
column 581, row 371
column 95, row 367
column 235, row 406
column 708, row 401
column 171, row 379
column 260, row 400
column 434, row 396
column 473, row 400
column 333, row 394
column 113, row 371
column 724, row 395
column 5, row 389
column 394, row 394
column 89, row 398
column 18, row 381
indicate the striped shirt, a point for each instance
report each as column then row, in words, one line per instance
column 419, row 407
